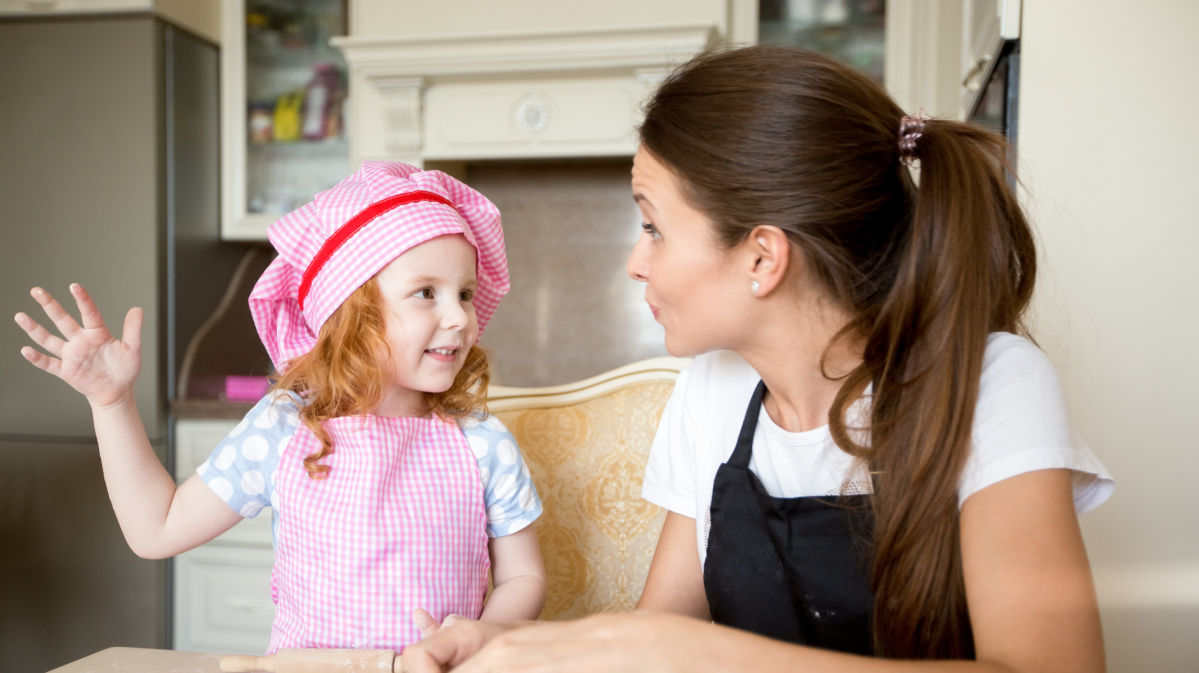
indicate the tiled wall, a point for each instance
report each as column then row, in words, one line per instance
column 572, row 312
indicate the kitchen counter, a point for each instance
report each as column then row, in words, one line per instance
column 211, row 409
column 137, row 660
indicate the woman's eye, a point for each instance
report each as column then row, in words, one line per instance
column 651, row 230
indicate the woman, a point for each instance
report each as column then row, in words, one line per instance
column 866, row 462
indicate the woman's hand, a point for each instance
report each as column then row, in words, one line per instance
column 628, row 642
column 91, row 360
column 450, row 643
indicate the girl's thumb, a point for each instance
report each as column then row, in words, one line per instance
column 425, row 622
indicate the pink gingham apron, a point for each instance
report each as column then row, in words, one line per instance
column 399, row 523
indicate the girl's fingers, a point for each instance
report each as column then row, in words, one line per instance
column 62, row 320
column 132, row 333
column 425, row 622
column 418, row 661
column 42, row 361
column 40, row 335
column 87, row 308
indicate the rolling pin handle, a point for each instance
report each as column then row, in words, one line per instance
column 243, row 663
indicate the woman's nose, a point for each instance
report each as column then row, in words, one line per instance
column 638, row 265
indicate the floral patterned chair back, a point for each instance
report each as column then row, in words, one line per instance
column 586, row 445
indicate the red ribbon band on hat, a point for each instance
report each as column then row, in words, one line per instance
column 363, row 218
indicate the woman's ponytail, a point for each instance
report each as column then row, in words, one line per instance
column 779, row 136
column 966, row 270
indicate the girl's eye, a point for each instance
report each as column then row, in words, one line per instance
column 425, row 293
column 466, row 295
column 651, row 230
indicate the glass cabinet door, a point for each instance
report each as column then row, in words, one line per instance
column 285, row 97
column 849, row 30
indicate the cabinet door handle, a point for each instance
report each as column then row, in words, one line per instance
column 971, row 80
column 249, row 607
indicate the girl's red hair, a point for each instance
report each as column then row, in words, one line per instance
column 344, row 373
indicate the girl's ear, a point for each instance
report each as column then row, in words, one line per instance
column 769, row 255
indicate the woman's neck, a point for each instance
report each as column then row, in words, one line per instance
column 788, row 350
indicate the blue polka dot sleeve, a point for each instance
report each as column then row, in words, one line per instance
column 508, row 492
column 243, row 467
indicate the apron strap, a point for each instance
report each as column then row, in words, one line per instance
column 745, row 440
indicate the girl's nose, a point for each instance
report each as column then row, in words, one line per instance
column 454, row 316
column 638, row 265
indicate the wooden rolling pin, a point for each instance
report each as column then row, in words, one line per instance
column 316, row 661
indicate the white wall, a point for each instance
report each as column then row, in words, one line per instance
column 1109, row 153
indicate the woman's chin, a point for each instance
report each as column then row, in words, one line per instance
column 679, row 348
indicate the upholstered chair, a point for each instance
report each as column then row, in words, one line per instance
column 586, row 445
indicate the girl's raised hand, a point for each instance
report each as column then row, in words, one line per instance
column 91, row 360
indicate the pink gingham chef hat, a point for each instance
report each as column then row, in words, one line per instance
column 330, row 247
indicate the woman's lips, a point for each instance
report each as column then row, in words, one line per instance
column 653, row 309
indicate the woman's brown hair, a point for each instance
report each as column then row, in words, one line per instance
column 780, row 136
column 345, row 373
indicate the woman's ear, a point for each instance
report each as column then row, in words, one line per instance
column 769, row 254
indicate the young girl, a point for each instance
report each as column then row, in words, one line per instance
column 392, row 491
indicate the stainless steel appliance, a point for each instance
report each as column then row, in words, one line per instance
column 991, row 89
column 108, row 177
column 997, row 105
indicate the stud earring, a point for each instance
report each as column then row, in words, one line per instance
column 753, row 287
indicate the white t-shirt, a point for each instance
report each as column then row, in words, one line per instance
column 1020, row 425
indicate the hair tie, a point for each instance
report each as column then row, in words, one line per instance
column 911, row 127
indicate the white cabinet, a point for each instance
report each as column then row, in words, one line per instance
column 519, row 79
column 223, row 599
column 222, row 589
column 72, row 6
column 283, row 136
column 202, row 18
column 468, row 80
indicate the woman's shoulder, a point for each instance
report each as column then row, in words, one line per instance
column 1022, row 424
column 1019, row 394
column 718, row 370
column 1011, row 359
column 1013, row 349
column 714, row 386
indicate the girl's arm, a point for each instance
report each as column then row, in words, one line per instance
column 1032, row 605
column 519, row 576
column 157, row 519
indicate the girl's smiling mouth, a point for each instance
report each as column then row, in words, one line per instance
column 443, row 354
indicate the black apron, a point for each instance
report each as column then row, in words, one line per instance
column 793, row 569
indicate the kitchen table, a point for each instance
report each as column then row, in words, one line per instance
column 138, row 660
